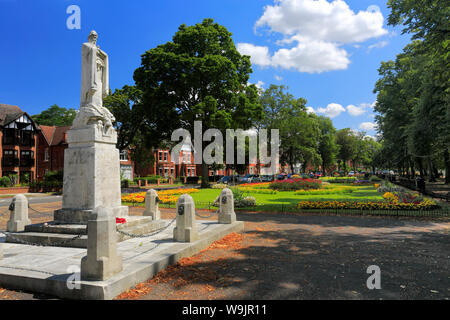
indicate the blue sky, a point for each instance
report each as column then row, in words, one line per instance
column 325, row 51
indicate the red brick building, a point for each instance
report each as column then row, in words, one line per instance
column 18, row 143
column 52, row 141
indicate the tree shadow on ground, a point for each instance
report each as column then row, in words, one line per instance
column 284, row 260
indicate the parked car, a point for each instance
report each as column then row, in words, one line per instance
column 281, row 176
column 249, row 178
column 266, row 178
column 225, row 179
column 351, row 173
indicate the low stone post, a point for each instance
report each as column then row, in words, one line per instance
column 186, row 230
column 226, row 209
column 139, row 183
column 151, row 205
column 19, row 214
column 146, row 182
column 102, row 261
column 1, row 251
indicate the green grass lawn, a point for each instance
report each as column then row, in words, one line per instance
column 360, row 193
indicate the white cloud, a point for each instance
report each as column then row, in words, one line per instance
column 319, row 19
column 368, row 126
column 378, row 45
column 258, row 55
column 312, row 57
column 332, row 110
column 356, row 111
column 278, row 78
column 317, row 28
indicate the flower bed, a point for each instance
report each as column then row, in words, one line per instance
column 335, row 190
column 296, row 184
column 166, row 196
column 371, row 205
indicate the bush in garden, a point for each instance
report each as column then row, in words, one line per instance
column 219, row 186
column 5, row 182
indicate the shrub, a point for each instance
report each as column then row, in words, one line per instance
column 192, row 180
column 246, row 202
column 5, row 182
column 219, row 186
column 296, row 184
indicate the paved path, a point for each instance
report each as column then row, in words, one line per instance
column 307, row 257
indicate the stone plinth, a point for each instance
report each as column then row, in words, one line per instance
column 91, row 175
column 226, row 209
column 102, row 260
column 19, row 215
column 186, row 230
column 151, row 205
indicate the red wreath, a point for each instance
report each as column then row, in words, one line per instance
column 120, row 220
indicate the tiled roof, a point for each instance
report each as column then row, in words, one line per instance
column 55, row 135
column 9, row 113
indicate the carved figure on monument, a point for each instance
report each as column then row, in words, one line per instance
column 94, row 87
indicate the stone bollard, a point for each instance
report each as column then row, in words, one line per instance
column 151, row 205
column 186, row 230
column 226, row 209
column 102, row 261
column 1, row 251
column 19, row 214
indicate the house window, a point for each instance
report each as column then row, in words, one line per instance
column 160, row 156
column 46, row 156
column 187, row 158
column 166, row 155
column 124, row 155
column 172, row 172
column 161, row 171
column 26, row 138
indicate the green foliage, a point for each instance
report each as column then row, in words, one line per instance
column 198, row 76
column 328, row 147
column 414, row 90
column 299, row 131
column 5, row 182
column 55, row 116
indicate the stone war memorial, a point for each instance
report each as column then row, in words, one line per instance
column 84, row 253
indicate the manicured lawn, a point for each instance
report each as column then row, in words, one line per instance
column 360, row 193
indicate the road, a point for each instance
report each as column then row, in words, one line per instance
column 33, row 200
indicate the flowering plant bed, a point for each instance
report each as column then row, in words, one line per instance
column 370, row 205
column 165, row 196
column 296, row 184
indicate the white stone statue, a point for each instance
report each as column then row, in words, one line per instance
column 94, row 87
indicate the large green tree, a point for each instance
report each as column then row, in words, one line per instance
column 328, row 147
column 299, row 131
column 198, row 76
column 346, row 140
column 414, row 90
column 55, row 116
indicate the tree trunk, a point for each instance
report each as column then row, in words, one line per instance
column 413, row 170
column 430, row 167
column 324, row 171
column 447, row 167
column 205, row 175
